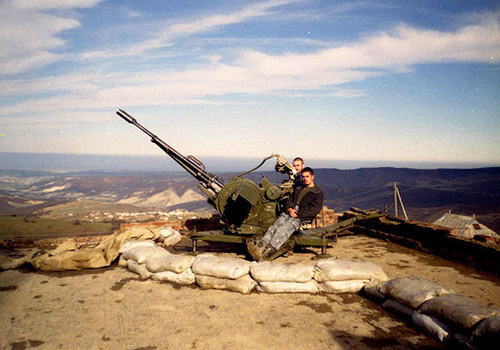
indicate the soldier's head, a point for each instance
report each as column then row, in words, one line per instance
column 308, row 177
column 298, row 164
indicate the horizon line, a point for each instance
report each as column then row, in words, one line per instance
column 483, row 163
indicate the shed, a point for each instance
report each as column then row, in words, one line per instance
column 465, row 226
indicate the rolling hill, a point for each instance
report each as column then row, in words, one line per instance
column 427, row 194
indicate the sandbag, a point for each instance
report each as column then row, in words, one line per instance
column 169, row 236
column 464, row 342
column 139, row 269
column 458, row 310
column 487, row 333
column 220, row 266
column 371, row 290
column 398, row 308
column 432, row 326
column 342, row 270
column 411, row 291
column 169, row 262
column 142, row 254
column 136, row 243
column 488, row 327
column 289, row 287
column 185, row 277
column 281, row 272
column 122, row 262
column 352, row 286
column 244, row 284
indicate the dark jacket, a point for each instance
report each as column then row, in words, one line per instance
column 310, row 205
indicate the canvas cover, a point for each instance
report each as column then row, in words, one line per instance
column 76, row 256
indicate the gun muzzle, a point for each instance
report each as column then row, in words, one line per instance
column 126, row 116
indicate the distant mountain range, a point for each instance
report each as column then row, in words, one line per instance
column 427, row 194
column 162, row 163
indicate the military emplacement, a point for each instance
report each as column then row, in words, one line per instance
column 369, row 280
column 246, row 208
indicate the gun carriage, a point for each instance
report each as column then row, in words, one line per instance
column 247, row 209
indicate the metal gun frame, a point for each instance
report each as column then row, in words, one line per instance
column 322, row 237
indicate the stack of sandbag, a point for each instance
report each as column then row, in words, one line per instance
column 470, row 322
column 284, row 277
column 346, row 276
column 218, row 272
column 135, row 259
column 141, row 253
column 437, row 310
column 128, row 246
column 409, row 292
column 404, row 296
column 157, row 263
column 172, row 268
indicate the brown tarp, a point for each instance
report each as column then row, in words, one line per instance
column 75, row 256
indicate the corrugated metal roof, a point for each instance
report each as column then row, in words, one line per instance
column 465, row 226
column 454, row 221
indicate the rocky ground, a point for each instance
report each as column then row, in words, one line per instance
column 111, row 308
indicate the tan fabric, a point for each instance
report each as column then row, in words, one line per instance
column 7, row 263
column 73, row 256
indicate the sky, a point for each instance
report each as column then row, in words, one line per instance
column 381, row 81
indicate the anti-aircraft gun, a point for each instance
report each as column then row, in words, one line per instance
column 247, row 209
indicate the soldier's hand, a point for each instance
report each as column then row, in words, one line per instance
column 292, row 212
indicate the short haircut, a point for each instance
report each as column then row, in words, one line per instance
column 308, row 170
column 299, row 159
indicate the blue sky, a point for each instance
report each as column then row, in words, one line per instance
column 385, row 81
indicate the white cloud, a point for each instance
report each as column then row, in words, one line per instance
column 209, row 23
column 254, row 72
column 58, row 118
column 75, row 82
column 133, row 14
column 53, row 4
column 30, row 32
column 388, row 50
column 205, row 24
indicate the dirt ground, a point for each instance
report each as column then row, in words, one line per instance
column 111, row 308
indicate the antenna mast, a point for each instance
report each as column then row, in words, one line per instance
column 397, row 196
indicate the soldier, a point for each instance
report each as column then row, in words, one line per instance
column 302, row 207
column 298, row 166
column 292, row 170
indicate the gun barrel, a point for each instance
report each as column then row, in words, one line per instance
column 126, row 116
column 212, row 183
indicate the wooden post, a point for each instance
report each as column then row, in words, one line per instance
column 395, row 201
column 397, row 195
